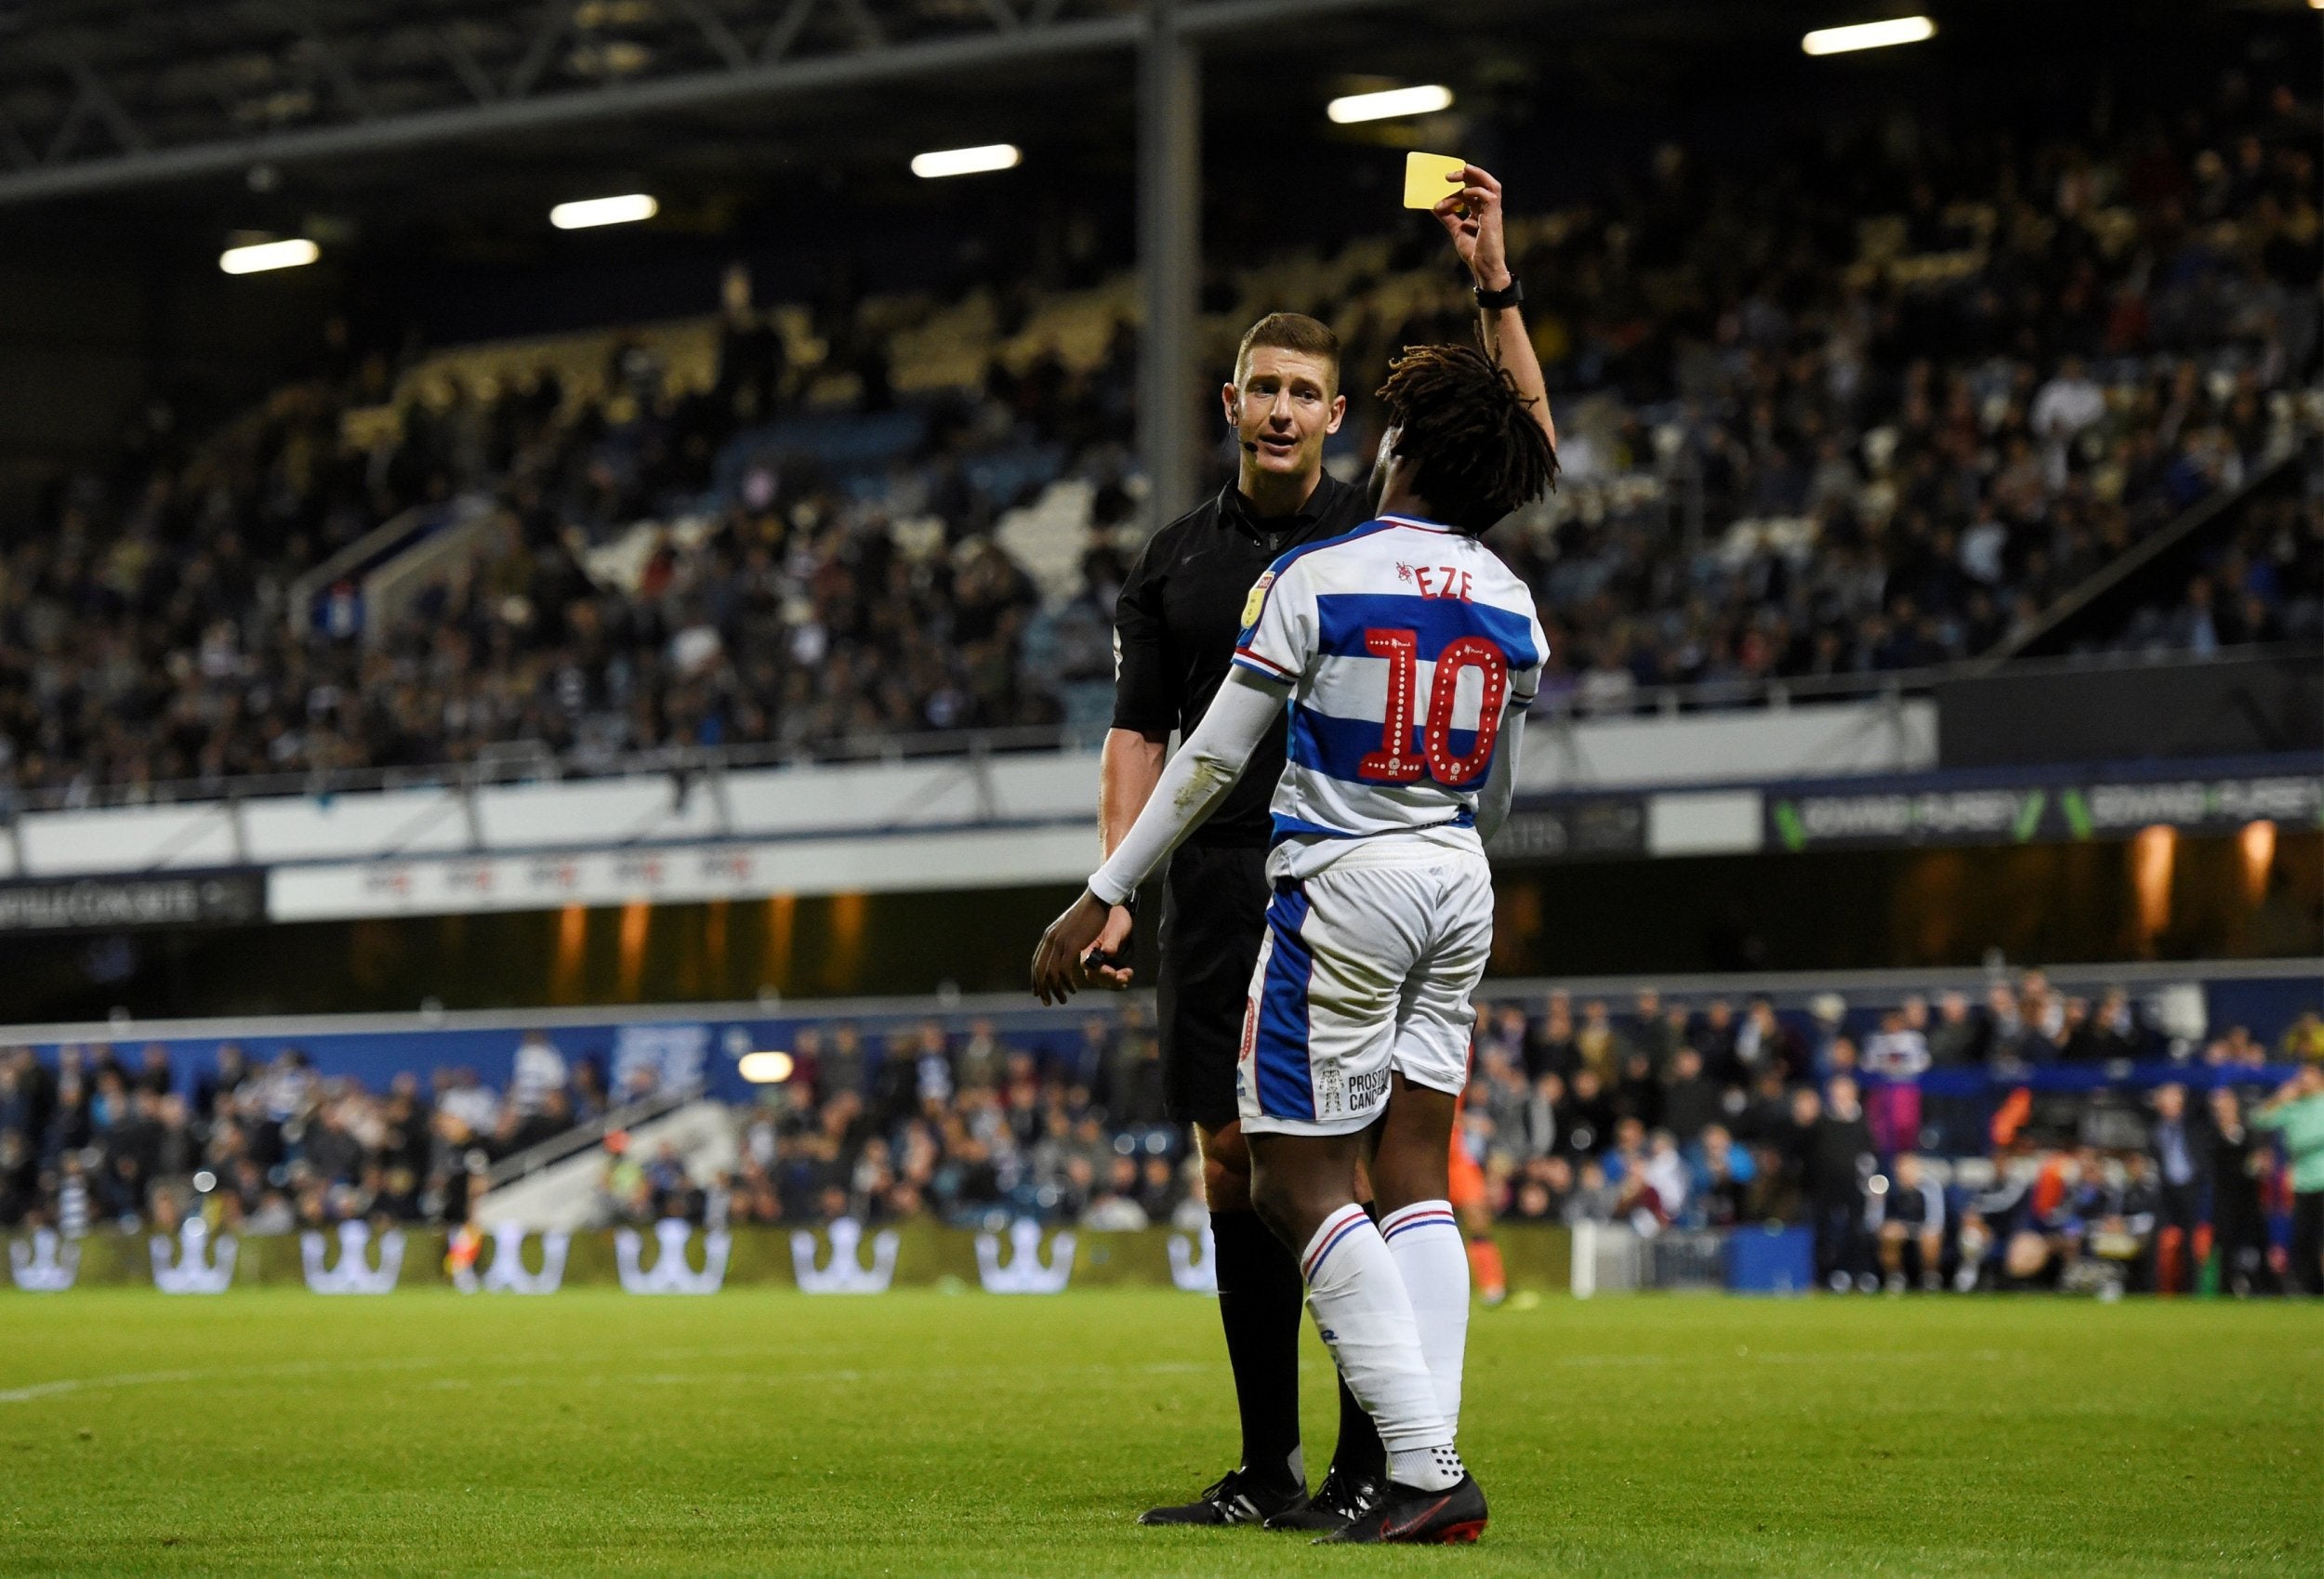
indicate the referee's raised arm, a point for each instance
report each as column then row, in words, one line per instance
column 1473, row 218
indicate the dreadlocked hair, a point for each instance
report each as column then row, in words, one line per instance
column 1479, row 451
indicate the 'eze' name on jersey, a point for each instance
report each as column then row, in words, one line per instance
column 1437, row 581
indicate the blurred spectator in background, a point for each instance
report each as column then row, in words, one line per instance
column 1691, row 1103
column 1130, row 1089
column 1895, row 1058
column 1957, row 1039
column 1713, row 1035
column 1594, row 1198
column 1837, row 1160
column 539, row 1070
column 1910, row 1223
column 1654, row 1031
column 841, row 1068
column 1723, row 1175
column 467, row 1100
column 2239, row 1224
column 2296, row 1116
column 1552, row 1049
column 1763, row 1042
column 2116, row 1207
column 1600, row 1046
column 2181, row 1159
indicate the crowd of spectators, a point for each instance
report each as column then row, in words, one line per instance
column 1676, row 1118
column 1658, row 1114
column 97, row 1137
column 918, row 1122
column 1906, row 435
column 965, row 1126
column 1911, row 392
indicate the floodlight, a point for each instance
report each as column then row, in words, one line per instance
column 966, row 160
column 1867, row 35
column 765, row 1069
column 628, row 209
column 260, row 257
column 1389, row 103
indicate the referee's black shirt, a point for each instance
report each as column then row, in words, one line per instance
column 1179, row 612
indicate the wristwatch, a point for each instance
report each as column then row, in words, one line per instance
column 1507, row 295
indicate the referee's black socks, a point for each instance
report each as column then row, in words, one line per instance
column 1360, row 1453
column 1260, row 1297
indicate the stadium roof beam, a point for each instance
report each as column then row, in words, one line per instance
column 1169, row 254
column 466, row 100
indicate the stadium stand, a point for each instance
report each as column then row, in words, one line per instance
column 1874, row 418
column 1660, row 1114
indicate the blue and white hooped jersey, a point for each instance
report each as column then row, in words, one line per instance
column 1402, row 642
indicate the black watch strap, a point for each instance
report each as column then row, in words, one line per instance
column 1507, row 295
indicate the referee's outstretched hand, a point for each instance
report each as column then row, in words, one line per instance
column 1473, row 218
column 1057, row 959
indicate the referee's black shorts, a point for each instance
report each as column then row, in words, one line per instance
column 1214, row 914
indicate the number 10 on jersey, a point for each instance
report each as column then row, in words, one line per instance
column 1394, row 761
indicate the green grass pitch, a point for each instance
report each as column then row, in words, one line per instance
column 917, row 1432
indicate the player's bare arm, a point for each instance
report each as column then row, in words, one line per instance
column 1473, row 216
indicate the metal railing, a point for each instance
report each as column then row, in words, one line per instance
column 535, row 761
column 582, row 1138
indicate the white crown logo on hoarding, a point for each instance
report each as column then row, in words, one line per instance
column 355, row 1273
column 670, row 1273
column 1024, row 1273
column 506, row 1273
column 198, row 1266
column 46, row 1265
column 1195, row 1276
column 846, row 1273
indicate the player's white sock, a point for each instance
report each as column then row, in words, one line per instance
column 1366, row 1318
column 1433, row 1260
column 1429, row 1468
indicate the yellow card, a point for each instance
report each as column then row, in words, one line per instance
column 1424, row 182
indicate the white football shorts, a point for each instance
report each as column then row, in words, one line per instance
column 1368, row 967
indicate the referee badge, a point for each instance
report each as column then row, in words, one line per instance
column 1258, row 599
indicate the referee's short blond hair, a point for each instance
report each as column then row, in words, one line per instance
column 1291, row 332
